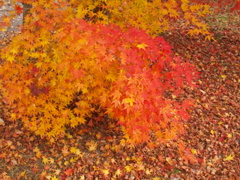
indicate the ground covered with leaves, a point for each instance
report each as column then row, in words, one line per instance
column 97, row 150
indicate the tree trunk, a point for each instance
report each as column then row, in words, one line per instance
column 26, row 9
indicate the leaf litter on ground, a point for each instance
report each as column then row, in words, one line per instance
column 100, row 152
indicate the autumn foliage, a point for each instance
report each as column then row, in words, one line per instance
column 63, row 65
column 153, row 16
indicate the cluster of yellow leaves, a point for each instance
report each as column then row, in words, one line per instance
column 43, row 112
column 152, row 16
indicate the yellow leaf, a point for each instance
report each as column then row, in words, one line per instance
column 51, row 160
column 223, row 76
column 22, row 174
column 185, row 1
column 184, row 7
column 13, row 116
column 82, row 177
column 6, row 19
column 69, row 136
column 156, row 178
column 57, row 171
column 10, row 58
column 194, row 151
column 229, row 158
column 73, row 159
column 48, row 177
column 111, row 77
column 129, row 100
column 81, row 120
column 148, row 172
column 212, row 131
column 128, row 168
column 38, row 64
column 14, row 51
column 3, row 29
column 45, row 160
column 27, row 91
column 75, row 151
column 118, row 172
column 169, row 160
column 44, row 42
column 142, row 46
column 36, row 149
column 229, row 135
column 54, row 178
column 66, row 163
column 209, row 37
column 122, row 142
column 105, row 172
column 91, row 145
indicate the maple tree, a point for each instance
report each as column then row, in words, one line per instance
column 123, row 72
column 96, row 150
column 61, row 66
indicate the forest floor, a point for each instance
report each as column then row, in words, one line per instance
column 213, row 131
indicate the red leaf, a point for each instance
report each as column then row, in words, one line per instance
column 18, row 9
column 68, row 172
column 236, row 7
column 3, row 24
column 200, row 160
column 186, row 104
column 90, row 123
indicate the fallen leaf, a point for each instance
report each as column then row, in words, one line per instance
column 45, row 160
column 2, row 121
column 128, row 168
column 105, row 172
column 54, row 178
column 91, row 145
column 194, row 151
column 118, row 172
column 169, row 160
column 65, row 151
column 68, row 172
column 229, row 158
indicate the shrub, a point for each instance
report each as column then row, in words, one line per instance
column 52, row 79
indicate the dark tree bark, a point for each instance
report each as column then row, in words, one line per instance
column 26, row 9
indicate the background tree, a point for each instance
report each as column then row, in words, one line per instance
column 152, row 16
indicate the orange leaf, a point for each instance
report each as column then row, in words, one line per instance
column 68, row 172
